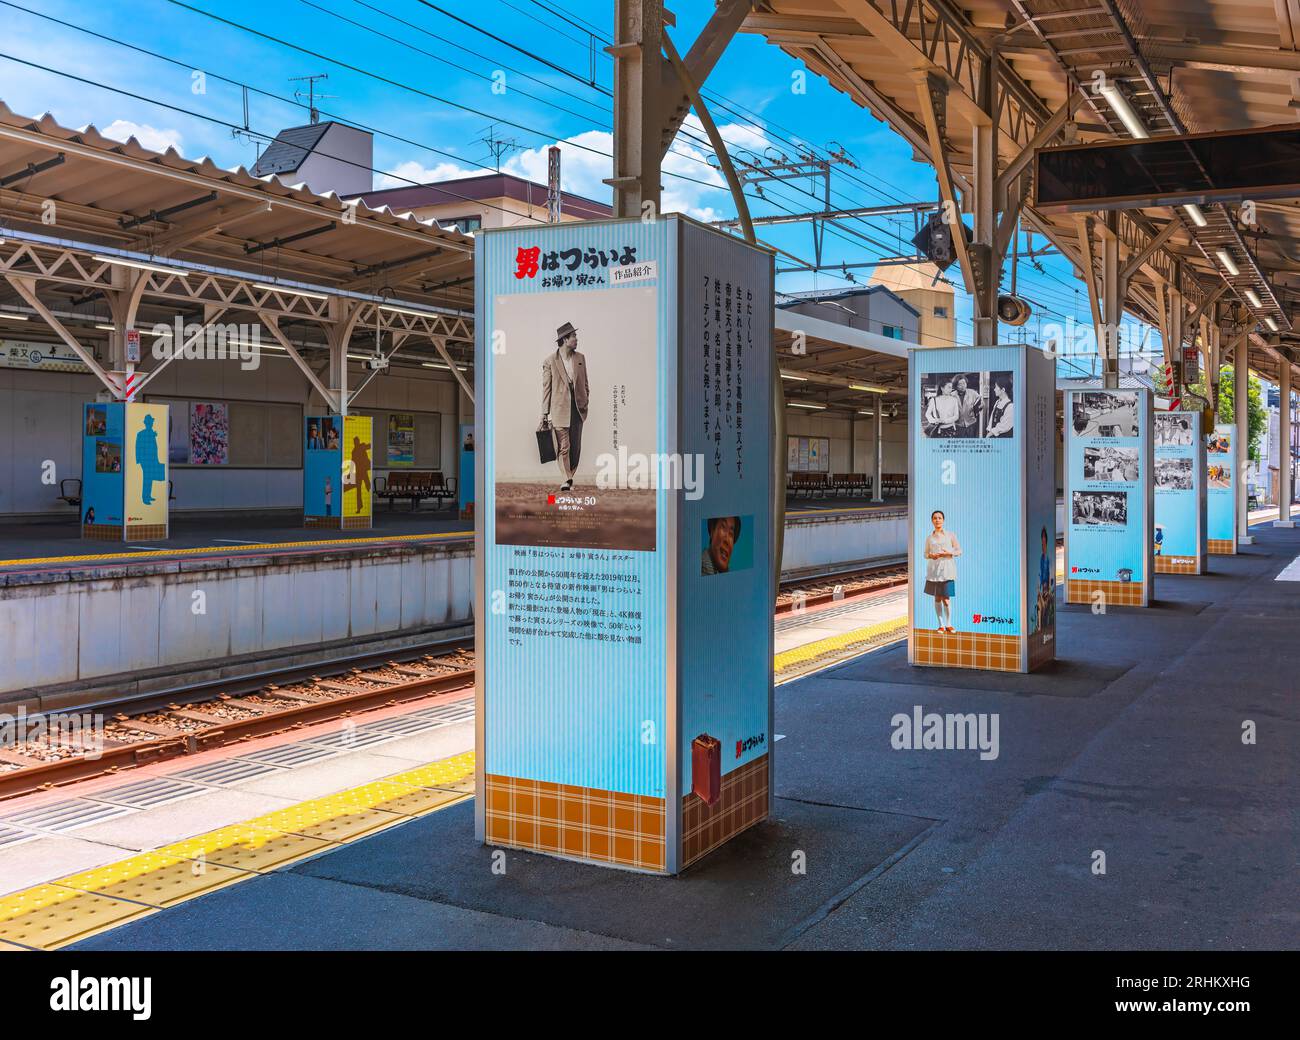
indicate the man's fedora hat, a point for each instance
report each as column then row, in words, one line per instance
column 563, row 331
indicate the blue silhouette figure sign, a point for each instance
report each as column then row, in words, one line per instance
column 152, row 470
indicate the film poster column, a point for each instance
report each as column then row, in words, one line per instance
column 1108, row 497
column 982, row 500
column 613, row 430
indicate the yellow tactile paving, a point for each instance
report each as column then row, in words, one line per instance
column 333, row 818
column 451, row 774
column 155, row 878
column 11, row 948
column 49, row 916
column 153, row 554
column 811, row 651
column 80, row 905
column 246, row 846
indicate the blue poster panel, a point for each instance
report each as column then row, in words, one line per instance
column 623, row 477
column 1179, row 478
column 465, row 481
column 1109, row 517
column 322, row 470
column 1221, row 490
column 102, row 469
column 576, row 382
column 727, row 586
column 982, row 496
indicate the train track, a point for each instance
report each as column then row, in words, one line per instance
column 812, row 592
column 141, row 730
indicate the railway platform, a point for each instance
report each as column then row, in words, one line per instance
column 1129, row 746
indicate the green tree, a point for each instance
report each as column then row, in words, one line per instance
column 1256, row 413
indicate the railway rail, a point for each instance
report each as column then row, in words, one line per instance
column 140, row 730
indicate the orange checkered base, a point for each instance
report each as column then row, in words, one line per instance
column 581, row 822
column 1115, row 593
column 1221, row 546
column 742, row 803
column 1176, row 565
column 987, row 650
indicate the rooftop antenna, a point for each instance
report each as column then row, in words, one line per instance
column 312, row 96
column 498, row 146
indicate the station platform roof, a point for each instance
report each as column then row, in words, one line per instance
column 216, row 240
column 1185, row 67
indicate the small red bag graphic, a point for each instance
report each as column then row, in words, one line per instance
column 706, row 768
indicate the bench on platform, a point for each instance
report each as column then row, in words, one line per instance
column 416, row 486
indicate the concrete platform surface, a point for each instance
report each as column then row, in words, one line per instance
column 45, row 541
column 1122, row 811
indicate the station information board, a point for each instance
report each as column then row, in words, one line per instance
column 623, row 536
column 1109, row 508
column 1179, row 478
column 982, row 498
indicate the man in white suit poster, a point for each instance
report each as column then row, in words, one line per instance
column 565, row 399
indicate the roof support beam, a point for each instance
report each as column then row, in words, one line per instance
column 271, row 321
column 26, row 288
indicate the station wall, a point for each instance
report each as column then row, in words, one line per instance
column 804, row 424
column 40, row 413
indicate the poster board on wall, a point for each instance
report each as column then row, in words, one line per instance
column 808, row 454
column 1180, row 501
column 603, row 476
column 1221, row 490
column 982, row 502
column 1109, row 516
column 401, row 439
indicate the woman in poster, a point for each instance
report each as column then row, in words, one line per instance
column 1001, row 415
column 1045, row 612
column 941, row 552
column 944, row 410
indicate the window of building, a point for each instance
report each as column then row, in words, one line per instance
column 465, row 224
column 940, row 312
column 892, row 331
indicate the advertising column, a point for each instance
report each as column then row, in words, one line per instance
column 146, row 486
column 623, row 540
column 1179, row 476
column 1108, row 497
column 1221, row 491
column 322, row 471
column 124, row 471
column 102, row 483
column 982, row 556
column 358, row 467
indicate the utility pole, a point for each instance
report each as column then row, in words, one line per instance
column 553, row 184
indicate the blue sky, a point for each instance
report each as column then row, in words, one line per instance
column 424, row 81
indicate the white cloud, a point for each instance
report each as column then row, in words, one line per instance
column 404, row 174
column 150, row 137
column 585, row 163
